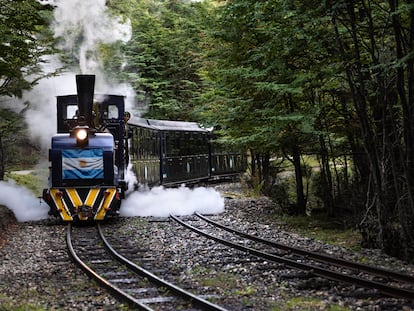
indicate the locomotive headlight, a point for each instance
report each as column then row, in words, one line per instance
column 81, row 134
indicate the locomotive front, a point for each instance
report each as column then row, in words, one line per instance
column 84, row 179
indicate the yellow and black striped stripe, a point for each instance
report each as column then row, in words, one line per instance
column 84, row 203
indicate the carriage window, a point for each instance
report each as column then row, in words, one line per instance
column 71, row 111
column 113, row 112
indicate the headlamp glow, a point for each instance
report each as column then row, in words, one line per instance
column 81, row 134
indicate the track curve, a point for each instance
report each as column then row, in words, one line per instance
column 196, row 302
column 313, row 269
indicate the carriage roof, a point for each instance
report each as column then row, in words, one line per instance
column 166, row 125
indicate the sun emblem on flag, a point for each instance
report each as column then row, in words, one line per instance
column 82, row 163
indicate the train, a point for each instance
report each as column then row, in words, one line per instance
column 97, row 141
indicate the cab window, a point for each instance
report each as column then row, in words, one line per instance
column 113, row 112
column 71, row 111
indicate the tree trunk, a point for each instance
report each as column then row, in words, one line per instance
column 300, row 197
column 267, row 185
column 326, row 179
column 355, row 76
column 404, row 214
column 387, row 129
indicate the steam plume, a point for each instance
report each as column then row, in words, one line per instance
column 162, row 202
column 22, row 202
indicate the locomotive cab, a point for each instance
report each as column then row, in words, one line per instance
column 107, row 117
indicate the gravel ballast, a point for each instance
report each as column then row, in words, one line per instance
column 36, row 270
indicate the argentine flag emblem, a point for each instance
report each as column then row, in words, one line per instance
column 82, row 164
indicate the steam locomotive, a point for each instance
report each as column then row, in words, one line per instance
column 94, row 144
column 87, row 155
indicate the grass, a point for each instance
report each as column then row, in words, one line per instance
column 324, row 229
column 308, row 304
column 33, row 181
column 25, row 307
column 7, row 304
column 220, row 280
column 226, row 282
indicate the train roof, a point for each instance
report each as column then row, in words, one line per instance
column 166, row 125
column 73, row 98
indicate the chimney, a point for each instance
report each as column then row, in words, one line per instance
column 85, row 85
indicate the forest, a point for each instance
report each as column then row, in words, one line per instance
column 323, row 88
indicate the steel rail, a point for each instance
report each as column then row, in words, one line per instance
column 325, row 273
column 317, row 256
column 200, row 302
column 103, row 282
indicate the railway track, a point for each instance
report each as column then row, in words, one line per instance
column 127, row 281
column 386, row 282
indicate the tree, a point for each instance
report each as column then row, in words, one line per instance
column 162, row 58
column 11, row 128
column 283, row 74
column 21, row 51
column 266, row 64
column 375, row 40
column 288, row 78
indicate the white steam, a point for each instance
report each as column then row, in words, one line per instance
column 22, row 202
column 82, row 25
column 160, row 202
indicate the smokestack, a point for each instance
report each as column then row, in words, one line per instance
column 85, row 85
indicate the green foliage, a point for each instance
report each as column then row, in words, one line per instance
column 163, row 56
column 263, row 64
column 15, row 147
column 24, row 41
column 10, row 122
column 265, row 76
column 280, row 194
column 21, row 49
